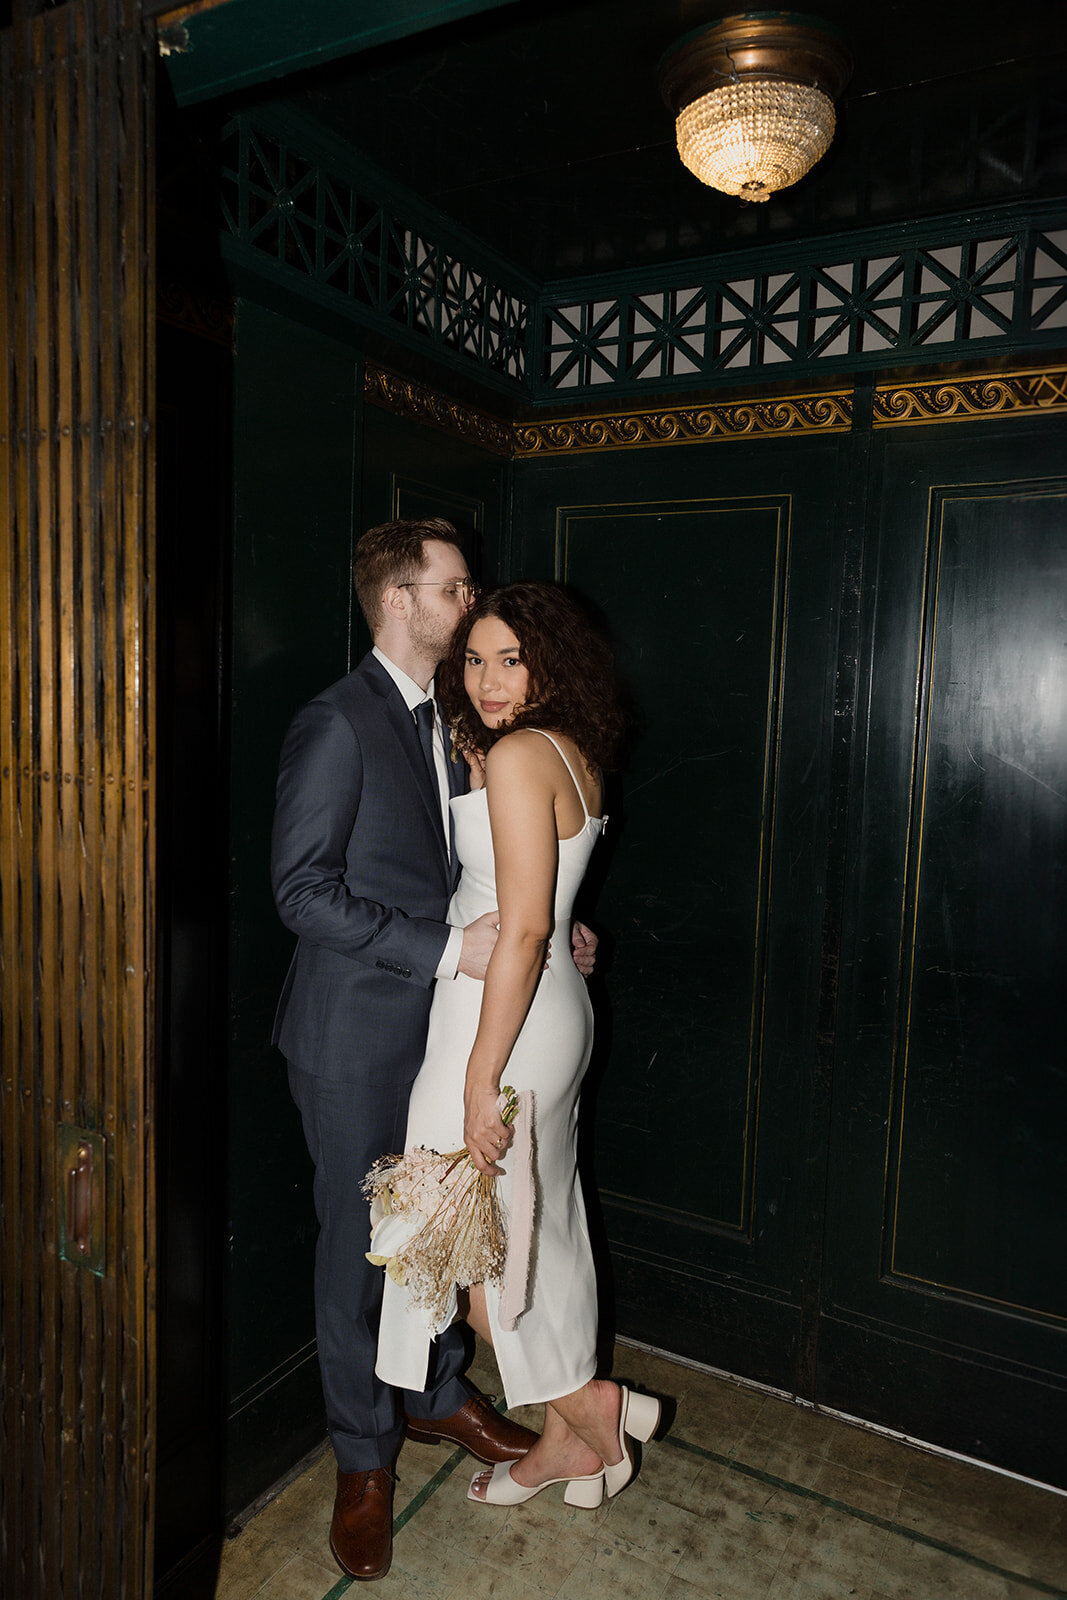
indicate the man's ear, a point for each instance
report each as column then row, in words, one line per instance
column 396, row 602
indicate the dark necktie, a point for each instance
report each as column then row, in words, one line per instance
column 424, row 723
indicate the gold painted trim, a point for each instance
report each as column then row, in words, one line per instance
column 812, row 413
column 421, row 404
column 991, row 394
column 958, row 399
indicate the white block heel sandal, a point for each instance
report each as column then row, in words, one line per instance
column 639, row 1416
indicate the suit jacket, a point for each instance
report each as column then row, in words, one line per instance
column 361, row 875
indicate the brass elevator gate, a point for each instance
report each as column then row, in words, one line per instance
column 76, row 829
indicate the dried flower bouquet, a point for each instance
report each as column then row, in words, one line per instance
column 437, row 1223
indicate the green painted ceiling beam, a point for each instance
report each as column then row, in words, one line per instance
column 245, row 42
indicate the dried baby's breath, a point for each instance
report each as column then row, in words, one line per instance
column 462, row 1239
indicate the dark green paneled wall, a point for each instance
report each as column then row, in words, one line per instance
column 736, row 1119
column 829, row 1126
column 774, row 603
column 413, row 471
column 312, row 467
column 297, row 409
column 944, row 1300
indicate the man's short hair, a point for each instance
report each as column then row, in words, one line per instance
column 393, row 554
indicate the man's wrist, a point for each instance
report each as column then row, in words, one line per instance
column 448, row 965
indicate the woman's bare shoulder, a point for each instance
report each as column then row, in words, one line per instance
column 522, row 753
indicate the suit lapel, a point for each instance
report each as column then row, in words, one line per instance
column 407, row 737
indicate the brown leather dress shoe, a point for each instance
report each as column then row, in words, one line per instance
column 479, row 1428
column 361, row 1533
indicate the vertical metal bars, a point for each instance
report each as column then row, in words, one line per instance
column 76, row 798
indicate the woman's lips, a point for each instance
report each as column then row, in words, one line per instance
column 492, row 706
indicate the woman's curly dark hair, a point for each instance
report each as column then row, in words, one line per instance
column 572, row 676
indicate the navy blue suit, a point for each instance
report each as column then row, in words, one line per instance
column 361, row 875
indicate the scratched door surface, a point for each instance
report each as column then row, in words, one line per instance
column 945, row 1293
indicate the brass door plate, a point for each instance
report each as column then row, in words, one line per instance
column 81, row 1185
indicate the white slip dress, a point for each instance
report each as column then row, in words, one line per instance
column 551, row 1350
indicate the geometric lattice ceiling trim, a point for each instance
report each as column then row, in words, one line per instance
column 930, row 299
column 286, row 215
column 956, row 288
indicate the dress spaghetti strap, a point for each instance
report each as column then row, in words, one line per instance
column 585, row 809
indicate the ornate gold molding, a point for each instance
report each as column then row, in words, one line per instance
column 740, row 419
column 947, row 400
column 954, row 399
column 415, row 400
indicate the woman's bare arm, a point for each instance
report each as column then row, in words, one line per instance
column 522, row 777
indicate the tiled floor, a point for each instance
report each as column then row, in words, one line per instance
column 744, row 1497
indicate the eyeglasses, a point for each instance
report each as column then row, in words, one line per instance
column 466, row 588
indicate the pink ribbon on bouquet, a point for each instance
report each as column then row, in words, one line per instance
column 515, row 1287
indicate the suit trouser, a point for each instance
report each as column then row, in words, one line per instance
column 347, row 1127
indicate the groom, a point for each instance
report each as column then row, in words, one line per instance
column 363, row 871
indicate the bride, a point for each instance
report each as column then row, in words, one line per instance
column 528, row 690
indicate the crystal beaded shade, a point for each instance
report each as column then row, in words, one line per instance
column 752, row 137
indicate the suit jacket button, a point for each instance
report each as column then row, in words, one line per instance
column 406, row 973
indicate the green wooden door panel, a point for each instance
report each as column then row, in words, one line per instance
column 945, row 1258
column 721, row 602
column 985, row 964
column 688, row 908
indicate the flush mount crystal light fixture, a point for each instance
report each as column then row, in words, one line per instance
column 754, row 95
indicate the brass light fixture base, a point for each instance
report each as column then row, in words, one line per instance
column 784, row 46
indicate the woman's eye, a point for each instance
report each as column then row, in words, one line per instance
column 512, row 661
